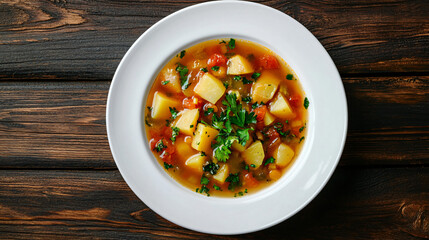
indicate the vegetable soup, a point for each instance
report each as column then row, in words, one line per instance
column 226, row 117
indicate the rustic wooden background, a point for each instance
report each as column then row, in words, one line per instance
column 58, row 178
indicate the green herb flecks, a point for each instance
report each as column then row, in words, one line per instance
column 215, row 68
column 234, row 181
column 174, row 134
column 208, row 111
column 231, row 43
column 183, row 72
column 211, row 168
column 306, row 103
column 256, row 75
column 269, row 160
column 160, row 146
column 289, row 77
column 165, row 82
column 167, row 166
column 182, row 53
column 204, row 69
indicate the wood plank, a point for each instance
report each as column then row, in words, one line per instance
column 355, row 204
column 62, row 124
column 86, row 39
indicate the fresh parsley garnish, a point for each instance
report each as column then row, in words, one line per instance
column 183, row 72
column 243, row 135
column 256, row 75
column 204, row 69
column 217, row 187
column 246, row 99
column 237, row 78
column 204, row 180
column 215, row 68
column 211, row 168
column 269, row 160
column 182, row 53
column 234, row 181
column 301, row 139
column 289, row 77
column 253, row 165
column 223, row 42
column 174, row 113
column 167, row 166
column 165, row 82
column 255, row 105
column 306, row 103
column 203, row 154
column 301, row 129
column 231, row 43
column 208, row 111
column 160, row 146
column 175, row 133
column 225, row 84
column 246, row 81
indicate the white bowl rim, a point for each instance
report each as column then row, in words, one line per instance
column 185, row 209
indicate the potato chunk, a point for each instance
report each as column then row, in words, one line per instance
column 171, row 80
column 254, row 154
column 237, row 146
column 222, row 174
column 183, row 150
column 210, row 88
column 161, row 104
column 269, row 118
column 195, row 162
column 204, row 137
column 187, row 121
column 283, row 155
column 239, row 65
column 265, row 87
column 280, row 107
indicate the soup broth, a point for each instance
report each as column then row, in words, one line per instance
column 226, row 117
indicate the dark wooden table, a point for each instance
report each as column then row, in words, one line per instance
column 57, row 175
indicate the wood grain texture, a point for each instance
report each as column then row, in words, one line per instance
column 86, row 39
column 62, row 124
column 356, row 204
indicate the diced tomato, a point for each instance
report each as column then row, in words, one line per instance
column 167, row 153
column 192, row 103
column 167, row 131
column 272, row 133
column 260, row 114
column 216, row 60
column 153, row 141
column 268, row 62
column 249, row 180
column 294, row 100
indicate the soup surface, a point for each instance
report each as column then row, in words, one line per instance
column 226, row 117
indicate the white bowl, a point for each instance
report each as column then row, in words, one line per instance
column 326, row 128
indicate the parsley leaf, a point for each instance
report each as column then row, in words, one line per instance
column 174, row 113
column 302, row 138
column 167, row 166
column 208, row 111
column 204, row 69
column 204, row 180
column 231, row 43
column 165, row 82
column 243, row 135
column 301, row 129
column 256, row 75
column 183, row 71
column 246, row 99
column 174, row 134
column 222, row 148
column 215, row 68
column 289, row 77
column 246, row 81
column 182, row 53
column 269, row 160
column 217, row 187
column 306, row 103
column 237, row 78
column 234, row 181
column 160, row 146
column 211, row 168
